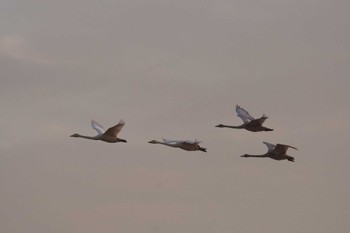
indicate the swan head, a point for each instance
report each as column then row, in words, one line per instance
column 245, row 155
column 202, row 149
column 122, row 140
column 75, row 135
column 219, row 125
column 153, row 142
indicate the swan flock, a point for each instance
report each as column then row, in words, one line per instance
column 276, row 152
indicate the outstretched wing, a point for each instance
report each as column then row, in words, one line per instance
column 263, row 118
column 270, row 146
column 172, row 142
column 113, row 131
column 282, row 149
column 98, row 127
column 243, row 114
column 192, row 142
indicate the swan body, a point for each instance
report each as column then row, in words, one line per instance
column 276, row 152
column 249, row 122
column 185, row 145
column 110, row 135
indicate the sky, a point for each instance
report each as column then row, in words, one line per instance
column 173, row 69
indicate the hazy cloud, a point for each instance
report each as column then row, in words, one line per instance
column 173, row 69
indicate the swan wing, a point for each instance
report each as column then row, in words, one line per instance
column 172, row 142
column 243, row 114
column 192, row 141
column 177, row 142
column 113, row 131
column 282, row 149
column 263, row 119
column 270, row 146
column 98, row 127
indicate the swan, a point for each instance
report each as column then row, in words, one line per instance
column 110, row 135
column 249, row 123
column 277, row 152
column 185, row 145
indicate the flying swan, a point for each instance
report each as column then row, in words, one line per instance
column 249, row 123
column 277, row 152
column 107, row 136
column 185, row 145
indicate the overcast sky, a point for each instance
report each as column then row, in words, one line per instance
column 174, row 69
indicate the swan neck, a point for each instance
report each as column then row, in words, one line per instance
column 86, row 137
column 231, row 126
column 256, row 156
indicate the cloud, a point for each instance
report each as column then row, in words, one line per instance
column 17, row 48
column 11, row 46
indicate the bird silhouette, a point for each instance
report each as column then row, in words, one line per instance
column 110, row 135
column 276, row 152
column 249, row 123
column 185, row 145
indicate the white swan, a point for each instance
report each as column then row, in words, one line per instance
column 107, row 136
column 277, row 152
column 185, row 145
column 249, row 123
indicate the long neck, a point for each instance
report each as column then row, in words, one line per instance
column 86, row 137
column 166, row 144
column 257, row 156
column 230, row 126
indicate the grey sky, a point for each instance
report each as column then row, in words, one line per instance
column 173, row 69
